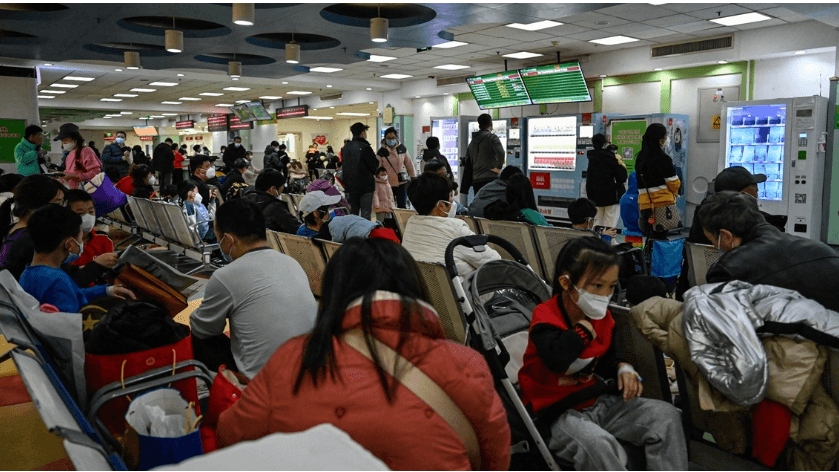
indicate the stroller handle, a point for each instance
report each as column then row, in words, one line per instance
column 480, row 240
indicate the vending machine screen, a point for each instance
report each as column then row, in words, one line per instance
column 756, row 136
column 552, row 144
column 446, row 130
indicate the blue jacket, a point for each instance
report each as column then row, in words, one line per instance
column 26, row 158
column 54, row 286
column 345, row 227
column 629, row 207
column 112, row 159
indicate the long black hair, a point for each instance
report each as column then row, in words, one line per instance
column 651, row 145
column 520, row 192
column 385, row 266
column 578, row 257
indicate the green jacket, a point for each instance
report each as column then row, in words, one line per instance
column 26, row 158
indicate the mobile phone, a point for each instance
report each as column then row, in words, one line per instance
column 599, row 229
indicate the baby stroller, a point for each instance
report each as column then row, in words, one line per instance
column 498, row 300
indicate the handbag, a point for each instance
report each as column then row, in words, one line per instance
column 662, row 219
column 226, row 390
column 106, row 197
column 148, row 287
column 424, row 388
column 401, row 176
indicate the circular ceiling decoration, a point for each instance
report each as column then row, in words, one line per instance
column 359, row 14
column 35, row 7
column 118, row 49
column 157, row 26
column 245, row 59
column 16, row 37
column 306, row 41
column 263, row 6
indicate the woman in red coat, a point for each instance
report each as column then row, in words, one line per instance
column 573, row 378
column 319, row 378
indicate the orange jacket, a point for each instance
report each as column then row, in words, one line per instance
column 406, row 435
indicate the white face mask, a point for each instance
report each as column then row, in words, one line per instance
column 276, row 149
column 88, row 222
column 452, row 209
column 120, row 140
column 594, row 306
column 198, row 198
column 69, row 146
column 237, row 144
column 211, row 172
column 152, row 180
column 666, row 142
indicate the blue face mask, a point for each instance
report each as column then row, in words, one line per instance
column 391, row 142
column 227, row 257
column 73, row 257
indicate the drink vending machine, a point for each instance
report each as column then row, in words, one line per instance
column 555, row 148
column 452, row 133
column 781, row 139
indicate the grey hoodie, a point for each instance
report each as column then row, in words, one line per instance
column 487, row 153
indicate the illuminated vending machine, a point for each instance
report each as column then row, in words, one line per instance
column 500, row 128
column 451, row 131
column 781, row 139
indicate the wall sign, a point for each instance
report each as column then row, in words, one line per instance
column 109, row 137
column 146, row 138
column 217, row 123
column 387, row 116
column 185, row 124
column 292, row 112
column 626, row 135
column 11, row 132
column 710, row 106
column 540, row 180
column 235, row 123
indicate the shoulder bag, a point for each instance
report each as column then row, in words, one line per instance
column 402, row 176
column 662, row 219
column 423, row 387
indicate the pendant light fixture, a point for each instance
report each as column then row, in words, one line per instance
column 234, row 69
column 174, row 39
column 378, row 28
column 132, row 60
column 292, row 51
column 243, row 14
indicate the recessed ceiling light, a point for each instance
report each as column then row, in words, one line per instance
column 601, row 23
column 110, row 99
column 328, row 86
column 242, row 101
column 78, row 79
column 417, row 96
column 210, row 94
column 46, row 96
column 270, row 97
column 48, row 64
column 298, row 92
column 368, row 88
column 169, row 114
column 106, row 117
column 396, row 76
column 285, row 83
column 370, row 103
column 54, row 91
column 224, row 104
column 180, row 75
column 603, row 76
column 613, row 40
column 326, row 70
column 189, row 99
column 64, row 85
column 451, row 67
column 235, row 78
column 126, row 113
column 741, row 19
column 156, row 116
column 450, row 44
column 331, row 108
column 375, row 58
column 117, row 70
column 522, row 55
column 318, row 117
column 353, row 114
column 164, row 84
column 539, row 25
column 236, row 89
column 170, row 103
column 800, row 52
column 657, row 68
column 143, row 90
column 722, row 62
column 126, row 95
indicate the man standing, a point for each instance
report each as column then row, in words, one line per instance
column 486, row 154
column 264, row 294
column 114, row 157
column 758, row 253
column 28, row 151
column 235, row 151
column 164, row 162
column 360, row 165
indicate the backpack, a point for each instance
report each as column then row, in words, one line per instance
column 236, row 190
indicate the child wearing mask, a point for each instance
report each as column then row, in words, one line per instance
column 383, row 201
column 98, row 248
column 197, row 214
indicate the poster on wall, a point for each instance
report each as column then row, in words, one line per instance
column 626, row 135
column 11, row 132
column 321, row 139
column 711, row 100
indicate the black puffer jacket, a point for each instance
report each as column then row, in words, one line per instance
column 277, row 216
column 769, row 257
column 605, row 178
column 360, row 166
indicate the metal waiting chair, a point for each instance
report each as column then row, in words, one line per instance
column 308, row 255
column 551, row 240
column 402, row 216
column 329, row 247
column 700, row 258
column 292, row 206
column 444, row 300
column 273, row 241
column 519, row 235
column 470, row 221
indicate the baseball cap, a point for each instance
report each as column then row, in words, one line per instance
column 314, row 200
column 65, row 130
column 358, row 127
column 736, row 179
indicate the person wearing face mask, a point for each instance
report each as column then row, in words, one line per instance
column 394, row 157
column 264, row 294
column 198, row 215
column 314, row 209
column 81, row 163
column 266, row 194
column 115, row 157
column 233, row 152
column 56, row 234
column 272, row 157
column 605, row 179
column 28, row 150
column 139, row 157
column 428, row 233
column 486, row 154
column 582, row 212
column 756, row 252
column 177, row 165
column 658, row 183
column 98, row 248
column 574, row 380
column 202, row 173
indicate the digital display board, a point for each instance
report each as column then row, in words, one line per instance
column 501, row 89
column 236, row 123
column 258, row 111
column 217, row 123
column 556, row 83
column 145, row 131
column 552, row 144
column 293, row 112
column 242, row 112
column 185, row 124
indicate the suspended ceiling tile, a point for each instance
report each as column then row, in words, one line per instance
column 471, row 28
column 591, row 34
column 761, row 24
column 472, row 38
column 672, row 20
column 610, row 20
column 786, row 15
column 689, row 7
column 719, row 12
column 693, row 27
column 581, row 17
column 674, row 38
column 515, row 34
column 636, row 11
column 567, row 29
column 638, row 30
column 758, row 6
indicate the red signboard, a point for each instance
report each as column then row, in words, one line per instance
column 514, row 122
column 185, row 124
column 236, row 123
column 217, row 123
column 292, row 112
column 586, row 118
column 146, row 138
column 426, row 129
column 189, row 138
column 540, row 180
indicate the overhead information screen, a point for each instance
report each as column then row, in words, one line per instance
column 556, row 83
column 502, row 89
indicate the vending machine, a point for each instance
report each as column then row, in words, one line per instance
column 499, row 128
column 781, row 139
column 453, row 134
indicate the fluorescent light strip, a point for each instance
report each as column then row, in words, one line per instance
column 57, row 92
column 396, row 76
column 78, row 79
column 236, row 89
column 353, row 114
column 242, row 101
column 539, row 25
column 164, row 84
column 326, row 70
column 143, row 90
column 450, row 44
column 126, row 95
column 170, row 103
column 169, row 114
column 318, row 117
column 298, row 92
column 110, row 99
column 375, row 58
column 156, row 116
column 189, row 99
column 64, row 85
column 224, row 104
column 451, row 67
column 210, row 94
column 126, row 113
column 613, row 40
column 735, row 20
column 46, row 96
column 522, row 55
column 270, row 97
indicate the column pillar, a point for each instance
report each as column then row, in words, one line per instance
column 20, row 102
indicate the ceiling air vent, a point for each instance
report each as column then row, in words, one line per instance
column 326, row 98
column 703, row 45
column 453, row 80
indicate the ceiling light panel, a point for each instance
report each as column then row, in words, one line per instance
column 64, row 85
column 126, row 113
column 298, row 92
column 270, row 97
column 353, row 114
column 143, row 90
column 57, row 92
column 126, row 95
column 375, row 58
column 170, row 103
column 613, row 40
column 741, row 19
column 224, row 104
column 522, row 55
column 169, row 114
column 211, row 94
column 539, row 25
column 326, row 70
column 236, row 89
column 242, row 101
column 397, row 76
column 450, row 44
column 46, row 96
column 451, row 67
column 190, row 99
column 110, row 99
column 164, row 84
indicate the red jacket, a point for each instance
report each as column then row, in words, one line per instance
column 542, row 387
column 406, row 435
